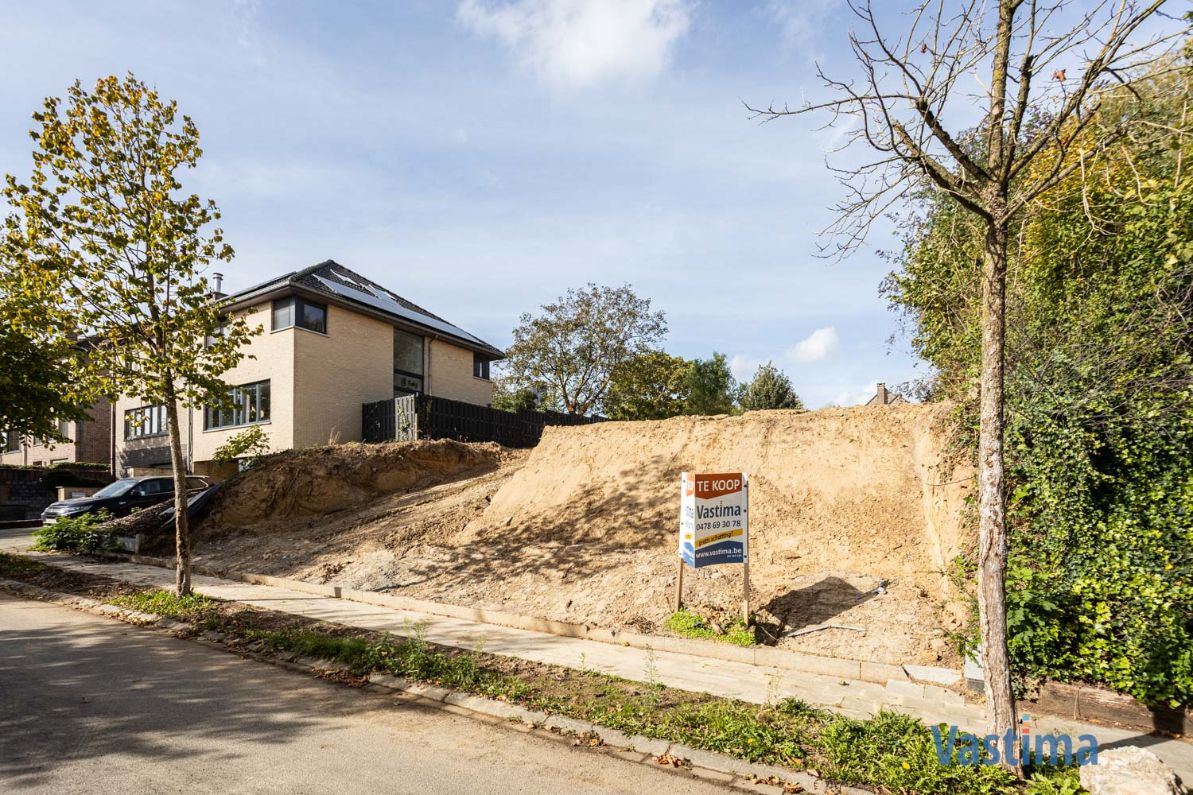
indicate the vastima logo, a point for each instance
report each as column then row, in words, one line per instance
column 955, row 747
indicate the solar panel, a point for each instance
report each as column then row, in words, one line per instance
column 388, row 304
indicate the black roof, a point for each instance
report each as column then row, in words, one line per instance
column 346, row 286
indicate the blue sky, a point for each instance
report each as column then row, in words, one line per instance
column 481, row 157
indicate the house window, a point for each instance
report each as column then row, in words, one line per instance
column 408, row 363
column 145, row 422
column 12, row 441
column 64, row 428
column 248, row 405
column 480, row 366
column 219, row 331
column 295, row 311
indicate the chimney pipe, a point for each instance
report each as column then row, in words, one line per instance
column 218, row 279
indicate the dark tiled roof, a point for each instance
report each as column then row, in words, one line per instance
column 334, row 280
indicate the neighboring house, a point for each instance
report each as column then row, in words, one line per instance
column 90, row 442
column 885, row 397
column 332, row 341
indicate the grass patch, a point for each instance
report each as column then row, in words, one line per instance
column 194, row 607
column 411, row 658
column 19, row 566
column 687, row 624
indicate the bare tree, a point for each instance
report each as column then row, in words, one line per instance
column 1038, row 73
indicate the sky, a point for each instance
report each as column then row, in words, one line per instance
column 480, row 157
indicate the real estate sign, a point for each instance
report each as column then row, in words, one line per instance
column 713, row 519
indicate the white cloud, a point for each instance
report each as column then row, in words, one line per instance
column 579, row 43
column 856, row 396
column 802, row 23
column 816, row 346
column 743, row 366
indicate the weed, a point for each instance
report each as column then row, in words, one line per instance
column 1055, row 781
column 897, row 752
column 19, row 566
column 192, row 607
column 687, row 624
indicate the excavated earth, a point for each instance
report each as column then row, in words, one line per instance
column 856, row 514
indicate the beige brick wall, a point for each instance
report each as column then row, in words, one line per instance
column 269, row 356
column 337, row 373
column 451, row 375
column 89, row 442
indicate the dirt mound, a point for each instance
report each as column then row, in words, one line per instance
column 323, row 480
column 854, row 516
column 859, row 490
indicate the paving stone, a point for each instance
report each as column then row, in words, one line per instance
column 649, row 745
column 387, row 680
column 711, row 760
column 904, row 689
column 928, row 673
column 488, row 706
column 613, row 737
column 629, row 756
column 428, row 691
column 712, row 775
column 757, row 786
column 567, row 724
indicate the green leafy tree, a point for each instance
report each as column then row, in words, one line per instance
column 104, row 227
column 710, row 386
column 912, row 78
column 568, row 352
column 1100, row 391
column 650, row 386
column 770, row 389
column 507, row 397
column 37, row 385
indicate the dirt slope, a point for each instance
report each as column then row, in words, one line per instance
column 852, row 520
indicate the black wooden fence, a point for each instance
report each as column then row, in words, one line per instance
column 426, row 417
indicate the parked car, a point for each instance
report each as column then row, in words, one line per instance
column 122, row 497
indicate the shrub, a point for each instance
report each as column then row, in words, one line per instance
column 80, row 533
column 247, row 447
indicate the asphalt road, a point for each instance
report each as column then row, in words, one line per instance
column 88, row 704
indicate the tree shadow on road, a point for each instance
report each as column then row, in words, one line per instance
column 73, row 691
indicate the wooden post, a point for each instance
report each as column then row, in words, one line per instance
column 679, row 586
column 745, row 585
column 745, row 558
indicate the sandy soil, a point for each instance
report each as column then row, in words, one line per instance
column 853, row 519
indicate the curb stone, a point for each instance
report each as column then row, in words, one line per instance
column 723, row 769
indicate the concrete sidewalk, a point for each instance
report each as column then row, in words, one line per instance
column 753, row 683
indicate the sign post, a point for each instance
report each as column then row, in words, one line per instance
column 714, row 525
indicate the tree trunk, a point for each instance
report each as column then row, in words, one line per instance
column 182, row 535
column 992, row 528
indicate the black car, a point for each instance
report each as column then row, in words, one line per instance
column 121, row 497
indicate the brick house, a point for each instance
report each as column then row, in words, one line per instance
column 332, row 340
column 885, row 397
column 90, row 442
